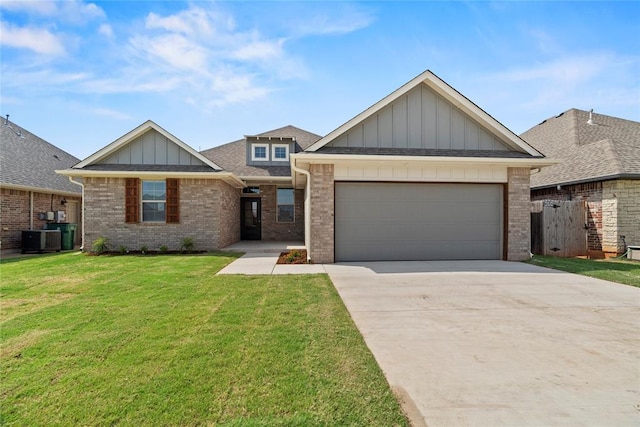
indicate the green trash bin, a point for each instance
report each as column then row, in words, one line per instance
column 67, row 231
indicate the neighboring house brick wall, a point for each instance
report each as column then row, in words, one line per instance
column 208, row 213
column 588, row 192
column 518, row 214
column 14, row 213
column 621, row 215
column 322, row 218
column 272, row 230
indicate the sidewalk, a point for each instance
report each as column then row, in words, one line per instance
column 265, row 263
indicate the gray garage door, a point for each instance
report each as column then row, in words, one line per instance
column 394, row 221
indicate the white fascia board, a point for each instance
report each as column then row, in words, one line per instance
column 130, row 136
column 41, row 190
column 447, row 92
column 228, row 177
column 304, row 160
column 265, row 178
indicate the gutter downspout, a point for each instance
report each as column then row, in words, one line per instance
column 307, row 208
column 82, row 211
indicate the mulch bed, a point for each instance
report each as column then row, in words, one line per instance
column 295, row 256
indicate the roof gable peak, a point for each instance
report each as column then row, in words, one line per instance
column 134, row 135
column 449, row 94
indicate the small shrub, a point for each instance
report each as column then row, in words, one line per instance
column 100, row 245
column 123, row 250
column 293, row 255
column 144, row 249
column 187, row 244
column 164, row 249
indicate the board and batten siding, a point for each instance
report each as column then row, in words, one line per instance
column 420, row 119
column 152, row 148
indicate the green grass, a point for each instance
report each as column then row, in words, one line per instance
column 614, row 270
column 163, row 341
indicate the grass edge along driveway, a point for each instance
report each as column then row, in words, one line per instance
column 613, row 269
column 161, row 340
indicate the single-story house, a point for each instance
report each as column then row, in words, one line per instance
column 599, row 163
column 29, row 186
column 423, row 174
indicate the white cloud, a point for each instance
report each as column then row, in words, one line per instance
column 260, row 50
column 106, row 30
column 565, row 71
column 79, row 12
column 340, row 19
column 38, row 40
column 173, row 50
column 46, row 8
column 69, row 11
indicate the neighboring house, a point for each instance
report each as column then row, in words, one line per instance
column 600, row 164
column 29, row 185
column 422, row 174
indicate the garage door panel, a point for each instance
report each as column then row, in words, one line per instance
column 401, row 221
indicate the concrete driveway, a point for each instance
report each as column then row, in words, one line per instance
column 488, row 343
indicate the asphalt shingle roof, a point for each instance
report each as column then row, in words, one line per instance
column 232, row 156
column 30, row 161
column 608, row 148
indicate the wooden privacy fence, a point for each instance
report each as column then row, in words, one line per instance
column 559, row 228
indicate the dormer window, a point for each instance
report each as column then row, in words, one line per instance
column 260, row 152
column 280, row 152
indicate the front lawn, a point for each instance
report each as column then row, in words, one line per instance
column 161, row 340
column 614, row 270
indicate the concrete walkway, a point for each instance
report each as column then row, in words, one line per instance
column 261, row 257
column 492, row 343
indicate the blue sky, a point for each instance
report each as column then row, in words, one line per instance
column 80, row 74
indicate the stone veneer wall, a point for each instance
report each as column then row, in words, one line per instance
column 14, row 213
column 620, row 215
column 322, row 214
column 518, row 214
column 209, row 213
column 272, row 230
column 588, row 192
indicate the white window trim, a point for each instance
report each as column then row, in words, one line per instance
column 253, row 153
column 273, row 152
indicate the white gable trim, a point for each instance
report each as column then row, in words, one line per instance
column 132, row 135
column 448, row 93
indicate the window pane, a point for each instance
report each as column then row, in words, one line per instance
column 280, row 152
column 153, row 211
column 285, row 213
column 285, row 205
column 285, row 196
column 154, row 190
column 260, row 152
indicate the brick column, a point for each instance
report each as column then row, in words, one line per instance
column 322, row 220
column 518, row 214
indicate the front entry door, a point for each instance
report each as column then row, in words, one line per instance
column 250, row 219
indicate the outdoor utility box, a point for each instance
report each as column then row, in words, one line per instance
column 633, row 252
column 67, row 231
column 60, row 216
column 41, row 240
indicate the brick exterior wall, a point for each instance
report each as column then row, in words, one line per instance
column 209, row 213
column 322, row 214
column 14, row 213
column 620, row 215
column 272, row 230
column 590, row 193
column 518, row 214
